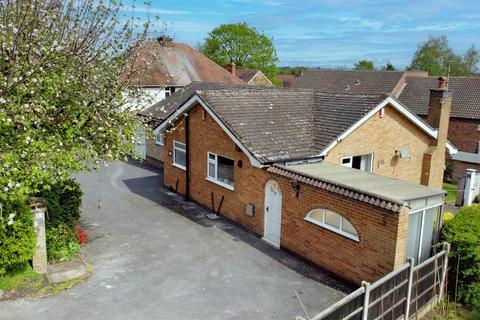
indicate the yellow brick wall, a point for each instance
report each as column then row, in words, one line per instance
column 382, row 136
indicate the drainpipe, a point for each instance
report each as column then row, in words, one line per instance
column 187, row 156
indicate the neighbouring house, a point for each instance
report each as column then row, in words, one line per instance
column 288, row 80
column 161, row 67
column 249, row 76
column 412, row 89
column 334, row 178
column 356, row 81
column 464, row 128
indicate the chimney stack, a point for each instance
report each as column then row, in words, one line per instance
column 165, row 40
column 231, row 68
column 439, row 105
column 438, row 117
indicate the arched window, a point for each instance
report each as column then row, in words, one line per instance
column 333, row 222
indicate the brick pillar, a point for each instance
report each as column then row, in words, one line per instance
column 40, row 254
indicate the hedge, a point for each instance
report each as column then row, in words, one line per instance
column 63, row 203
column 17, row 236
column 463, row 233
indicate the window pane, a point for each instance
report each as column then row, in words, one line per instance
column 366, row 163
column 332, row 219
column 225, row 170
column 428, row 232
column 356, row 162
column 179, row 145
column 413, row 236
column 348, row 228
column 211, row 170
column 211, row 156
column 346, row 161
column 317, row 215
column 180, row 157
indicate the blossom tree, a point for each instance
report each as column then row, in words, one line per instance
column 62, row 105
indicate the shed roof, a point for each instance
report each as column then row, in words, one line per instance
column 175, row 64
column 382, row 191
column 465, row 95
column 469, row 157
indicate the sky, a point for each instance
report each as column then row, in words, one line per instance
column 324, row 33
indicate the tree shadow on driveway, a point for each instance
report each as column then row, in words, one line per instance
column 151, row 188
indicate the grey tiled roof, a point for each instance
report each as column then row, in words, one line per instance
column 465, row 95
column 162, row 109
column 350, row 81
column 273, row 124
column 276, row 124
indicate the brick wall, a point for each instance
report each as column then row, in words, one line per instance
column 207, row 136
column 155, row 153
column 464, row 134
column 382, row 136
column 382, row 233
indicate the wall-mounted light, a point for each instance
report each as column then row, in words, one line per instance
column 296, row 186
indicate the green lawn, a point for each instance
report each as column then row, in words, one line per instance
column 452, row 192
column 17, row 279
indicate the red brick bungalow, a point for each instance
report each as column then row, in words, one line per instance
column 281, row 163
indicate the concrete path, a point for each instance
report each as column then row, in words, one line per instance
column 157, row 257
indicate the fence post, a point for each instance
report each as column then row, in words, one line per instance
column 366, row 299
column 444, row 271
column 411, row 265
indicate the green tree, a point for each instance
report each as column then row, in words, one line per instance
column 243, row 45
column 364, row 65
column 389, row 67
column 436, row 57
column 62, row 105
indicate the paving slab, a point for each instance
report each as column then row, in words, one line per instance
column 66, row 270
column 157, row 257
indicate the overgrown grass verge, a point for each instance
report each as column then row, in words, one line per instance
column 18, row 279
column 452, row 311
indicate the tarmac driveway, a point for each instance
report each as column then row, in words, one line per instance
column 157, row 257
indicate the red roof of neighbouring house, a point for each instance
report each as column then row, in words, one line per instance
column 166, row 63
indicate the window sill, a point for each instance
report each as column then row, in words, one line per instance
column 159, row 144
column 227, row 186
column 179, row 166
column 326, row 226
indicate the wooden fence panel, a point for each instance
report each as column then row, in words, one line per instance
column 388, row 297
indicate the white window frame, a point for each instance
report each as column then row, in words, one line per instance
column 174, row 163
column 349, row 165
column 323, row 224
column 215, row 162
column 422, row 225
column 160, row 139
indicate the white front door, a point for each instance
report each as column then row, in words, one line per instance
column 273, row 213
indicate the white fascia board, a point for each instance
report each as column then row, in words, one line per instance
column 395, row 104
column 191, row 102
column 451, row 149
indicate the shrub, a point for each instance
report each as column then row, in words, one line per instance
column 17, row 236
column 63, row 202
column 463, row 233
column 61, row 243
